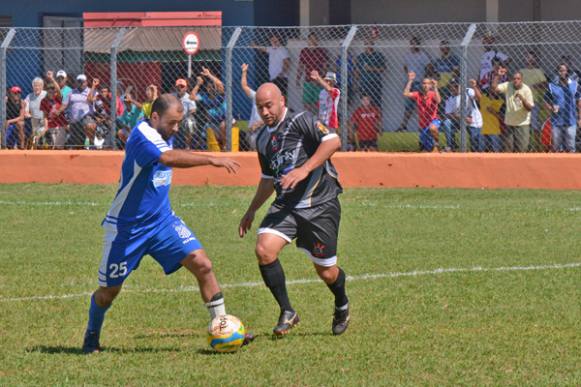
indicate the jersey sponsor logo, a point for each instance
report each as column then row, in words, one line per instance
column 280, row 159
column 162, row 178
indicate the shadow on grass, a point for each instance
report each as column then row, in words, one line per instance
column 61, row 349
column 169, row 335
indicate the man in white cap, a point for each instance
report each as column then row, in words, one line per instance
column 328, row 99
column 79, row 104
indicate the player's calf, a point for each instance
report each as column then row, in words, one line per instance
column 101, row 301
column 335, row 279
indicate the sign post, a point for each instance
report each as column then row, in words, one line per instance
column 190, row 45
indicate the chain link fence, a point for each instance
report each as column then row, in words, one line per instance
column 457, row 87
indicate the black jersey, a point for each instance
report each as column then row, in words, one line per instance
column 288, row 146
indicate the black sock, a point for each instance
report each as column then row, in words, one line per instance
column 273, row 277
column 338, row 289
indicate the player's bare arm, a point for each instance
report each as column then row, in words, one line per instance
column 263, row 192
column 324, row 152
column 177, row 158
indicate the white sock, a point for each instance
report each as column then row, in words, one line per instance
column 216, row 306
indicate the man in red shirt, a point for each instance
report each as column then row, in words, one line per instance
column 427, row 101
column 54, row 118
column 366, row 121
column 311, row 58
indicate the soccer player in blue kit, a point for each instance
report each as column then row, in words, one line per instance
column 141, row 221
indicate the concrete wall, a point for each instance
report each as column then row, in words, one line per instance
column 356, row 169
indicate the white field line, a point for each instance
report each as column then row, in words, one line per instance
column 67, row 203
column 302, row 281
column 400, row 206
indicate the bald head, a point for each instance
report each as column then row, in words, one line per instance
column 164, row 102
column 270, row 103
column 167, row 112
column 268, row 90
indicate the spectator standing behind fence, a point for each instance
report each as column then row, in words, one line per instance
column 445, row 68
column 33, row 111
column 488, row 60
column 328, row 99
column 56, row 123
column 311, row 58
column 415, row 62
column 61, row 83
column 535, row 78
column 563, row 100
column 103, row 116
column 188, row 126
column 132, row 114
column 278, row 63
column 213, row 106
column 14, row 125
column 103, row 101
column 427, row 101
column 150, row 96
column 79, row 104
column 370, row 66
column 255, row 122
column 473, row 117
column 492, row 120
column 366, row 125
column 451, row 122
column 519, row 103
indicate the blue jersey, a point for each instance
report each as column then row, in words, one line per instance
column 142, row 200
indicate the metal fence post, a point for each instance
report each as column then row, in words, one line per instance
column 228, row 86
column 3, row 50
column 114, row 48
column 464, row 85
column 344, row 119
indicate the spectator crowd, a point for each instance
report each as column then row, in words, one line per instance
column 504, row 108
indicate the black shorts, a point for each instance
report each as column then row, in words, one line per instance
column 316, row 229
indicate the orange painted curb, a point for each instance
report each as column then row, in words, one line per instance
column 401, row 170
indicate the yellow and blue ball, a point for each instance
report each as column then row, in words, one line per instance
column 226, row 333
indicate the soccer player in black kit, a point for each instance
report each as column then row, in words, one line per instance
column 294, row 151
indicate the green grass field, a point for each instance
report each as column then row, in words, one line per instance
column 517, row 323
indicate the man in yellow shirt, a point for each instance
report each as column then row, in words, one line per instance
column 519, row 103
column 535, row 78
column 490, row 108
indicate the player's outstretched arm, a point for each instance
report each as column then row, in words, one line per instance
column 176, row 158
column 323, row 153
column 263, row 192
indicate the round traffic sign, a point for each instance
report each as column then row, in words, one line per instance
column 191, row 43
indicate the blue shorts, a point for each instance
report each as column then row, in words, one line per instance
column 169, row 243
column 426, row 138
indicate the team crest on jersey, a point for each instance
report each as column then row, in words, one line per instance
column 322, row 128
column 274, row 143
column 318, row 249
column 161, row 178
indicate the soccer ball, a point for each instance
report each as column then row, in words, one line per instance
column 226, row 333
